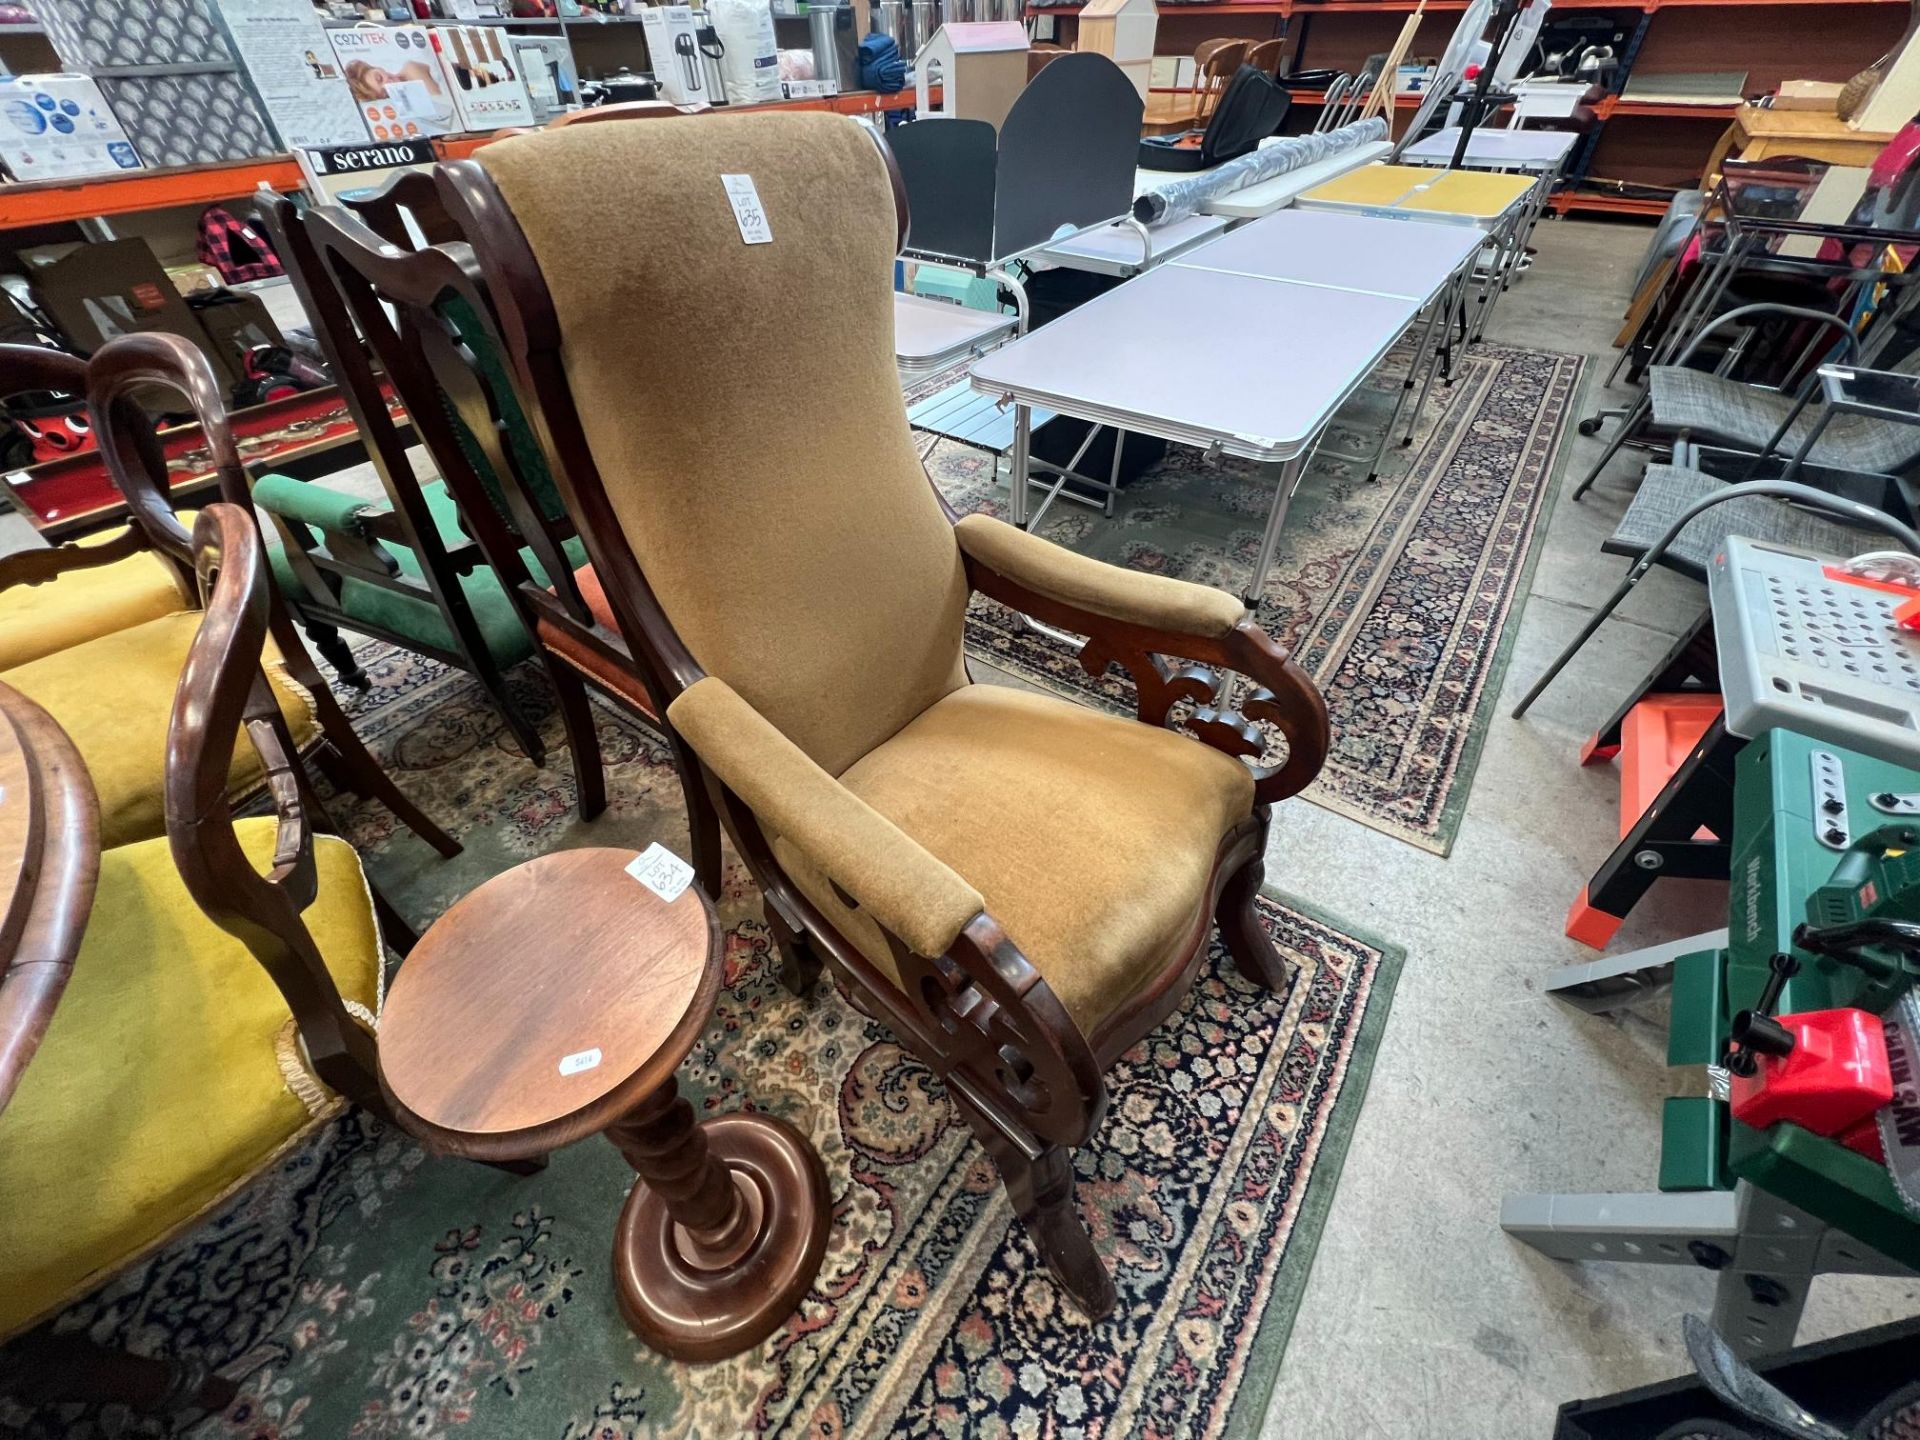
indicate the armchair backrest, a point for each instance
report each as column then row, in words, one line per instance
column 224, row 693
column 423, row 312
column 735, row 406
column 152, row 523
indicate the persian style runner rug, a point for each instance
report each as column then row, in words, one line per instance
column 1400, row 597
column 366, row 1289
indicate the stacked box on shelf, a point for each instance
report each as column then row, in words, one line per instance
column 170, row 74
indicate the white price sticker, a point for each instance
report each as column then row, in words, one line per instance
column 580, row 1060
column 662, row 872
column 748, row 213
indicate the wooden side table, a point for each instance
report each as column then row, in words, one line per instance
column 1760, row 134
column 555, row 1002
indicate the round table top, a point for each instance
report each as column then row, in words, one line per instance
column 546, row 1003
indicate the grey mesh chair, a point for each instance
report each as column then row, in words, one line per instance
column 1680, row 517
column 1707, row 405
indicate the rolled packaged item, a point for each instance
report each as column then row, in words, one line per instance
column 1178, row 199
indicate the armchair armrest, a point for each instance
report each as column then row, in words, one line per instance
column 1135, row 620
column 349, row 525
column 889, row 874
column 1743, row 315
column 998, row 1033
column 1155, row 602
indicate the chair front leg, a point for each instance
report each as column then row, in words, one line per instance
column 1254, row 954
column 1039, row 1181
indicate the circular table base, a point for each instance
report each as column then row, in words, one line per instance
column 690, row 1313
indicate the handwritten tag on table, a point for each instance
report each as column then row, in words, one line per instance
column 580, row 1060
column 748, row 213
column 662, row 872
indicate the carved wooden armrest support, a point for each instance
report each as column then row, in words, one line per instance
column 1196, row 665
column 1010, row 1039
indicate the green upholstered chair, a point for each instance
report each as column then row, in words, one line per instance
column 428, row 315
column 420, row 570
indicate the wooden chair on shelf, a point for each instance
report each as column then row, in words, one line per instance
column 1268, row 56
column 113, row 694
column 428, row 316
column 408, row 572
column 1215, row 62
column 218, row 1010
column 1019, row 886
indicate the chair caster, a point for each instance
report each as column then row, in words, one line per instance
column 1589, row 426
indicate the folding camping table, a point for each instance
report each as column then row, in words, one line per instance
column 1335, row 292
column 931, row 336
column 1494, row 205
column 1539, row 153
column 1128, row 248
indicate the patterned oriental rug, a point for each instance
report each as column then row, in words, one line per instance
column 365, row 1289
column 1400, row 598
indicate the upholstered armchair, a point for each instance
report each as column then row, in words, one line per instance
column 219, row 1007
column 113, row 693
column 1019, row 886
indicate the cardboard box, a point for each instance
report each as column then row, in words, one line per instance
column 97, row 291
column 396, row 77
column 233, row 327
column 673, row 49
column 1821, row 96
column 489, row 92
column 53, row 127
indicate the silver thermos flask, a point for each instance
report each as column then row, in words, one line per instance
column 826, row 54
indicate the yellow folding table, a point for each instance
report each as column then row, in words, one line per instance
column 1495, row 204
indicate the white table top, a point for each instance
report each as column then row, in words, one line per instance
column 1116, row 249
column 1276, row 192
column 1343, row 251
column 1257, row 366
column 936, row 333
column 1495, row 149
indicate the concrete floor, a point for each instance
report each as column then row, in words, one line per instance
column 1421, row 1318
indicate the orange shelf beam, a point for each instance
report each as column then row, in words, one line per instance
column 1567, row 200
column 48, row 202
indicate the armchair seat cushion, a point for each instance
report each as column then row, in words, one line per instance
column 114, row 697
column 1091, row 837
column 82, row 605
column 170, row 1074
column 418, row 619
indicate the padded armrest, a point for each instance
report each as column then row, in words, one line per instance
column 311, row 503
column 889, row 874
column 1153, row 602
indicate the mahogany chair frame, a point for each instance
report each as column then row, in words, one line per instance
column 376, row 267
column 1215, row 62
column 223, row 691
column 1017, row 1067
column 111, row 381
column 407, row 521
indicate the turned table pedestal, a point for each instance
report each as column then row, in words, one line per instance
column 555, row 1002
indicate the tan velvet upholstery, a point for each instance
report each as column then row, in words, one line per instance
column 744, row 411
column 1091, row 838
column 905, row 888
column 1153, row 601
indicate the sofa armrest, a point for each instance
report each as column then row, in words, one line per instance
column 888, row 873
column 1154, row 602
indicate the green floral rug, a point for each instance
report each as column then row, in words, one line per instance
column 365, row 1289
column 1400, row 598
